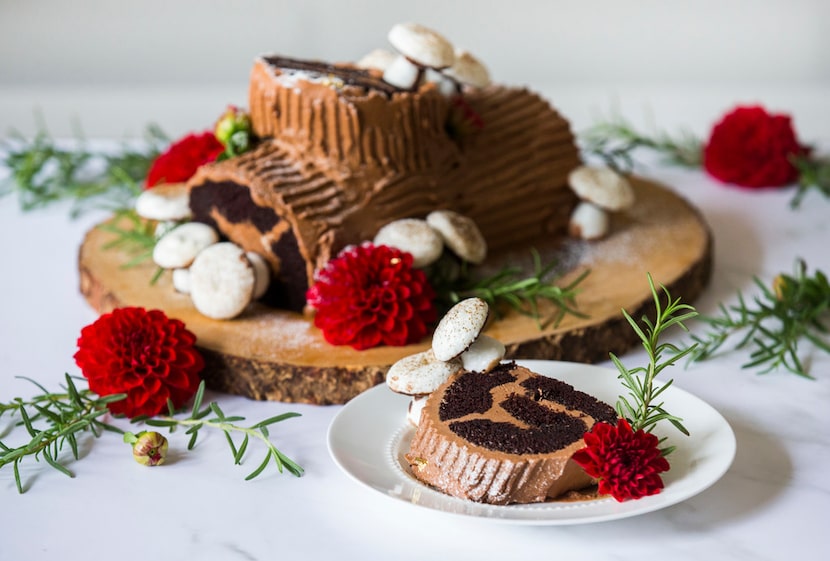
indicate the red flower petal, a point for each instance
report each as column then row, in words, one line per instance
column 626, row 464
column 183, row 158
column 370, row 295
column 752, row 148
column 143, row 354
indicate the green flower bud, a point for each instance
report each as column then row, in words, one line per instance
column 231, row 123
column 779, row 286
column 149, row 447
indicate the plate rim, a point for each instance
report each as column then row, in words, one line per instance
column 523, row 514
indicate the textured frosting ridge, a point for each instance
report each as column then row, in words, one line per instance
column 354, row 125
column 343, row 154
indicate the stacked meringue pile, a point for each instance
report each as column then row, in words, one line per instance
column 221, row 277
column 425, row 55
column 457, row 344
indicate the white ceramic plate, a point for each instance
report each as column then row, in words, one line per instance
column 368, row 437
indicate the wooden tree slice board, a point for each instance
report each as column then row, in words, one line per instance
column 278, row 355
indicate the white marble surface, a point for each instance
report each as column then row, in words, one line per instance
column 772, row 504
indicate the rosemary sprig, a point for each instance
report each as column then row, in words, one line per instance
column 794, row 309
column 813, row 175
column 198, row 420
column 642, row 408
column 43, row 173
column 512, row 288
column 615, row 141
column 138, row 238
column 68, row 414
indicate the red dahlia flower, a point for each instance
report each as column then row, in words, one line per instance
column 752, row 148
column 370, row 295
column 183, row 158
column 141, row 353
column 626, row 463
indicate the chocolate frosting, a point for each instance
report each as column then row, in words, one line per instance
column 343, row 154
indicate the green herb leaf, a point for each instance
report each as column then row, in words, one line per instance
column 641, row 407
column 43, row 173
column 774, row 323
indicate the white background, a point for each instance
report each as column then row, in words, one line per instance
column 113, row 66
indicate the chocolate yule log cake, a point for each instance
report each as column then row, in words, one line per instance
column 504, row 436
column 343, row 153
column 356, row 201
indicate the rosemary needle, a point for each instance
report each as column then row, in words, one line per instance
column 795, row 309
column 55, row 420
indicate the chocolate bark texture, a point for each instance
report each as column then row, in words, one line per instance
column 342, row 154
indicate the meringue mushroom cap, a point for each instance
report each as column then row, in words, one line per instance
column 461, row 235
column 421, row 45
column 459, row 328
column 165, row 202
column 602, row 186
column 222, row 281
column 413, row 236
column 379, row 59
column 468, row 70
column 420, row 373
column 179, row 246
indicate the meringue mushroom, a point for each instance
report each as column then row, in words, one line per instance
column 222, row 281
column 460, row 234
column 601, row 189
column 413, row 236
column 468, row 70
column 378, row 59
column 421, row 45
column 420, row 49
column 459, row 328
column 178, row 247
column 420, row 374
column 166, row 202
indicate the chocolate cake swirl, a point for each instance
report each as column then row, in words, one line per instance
column 503, row 437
